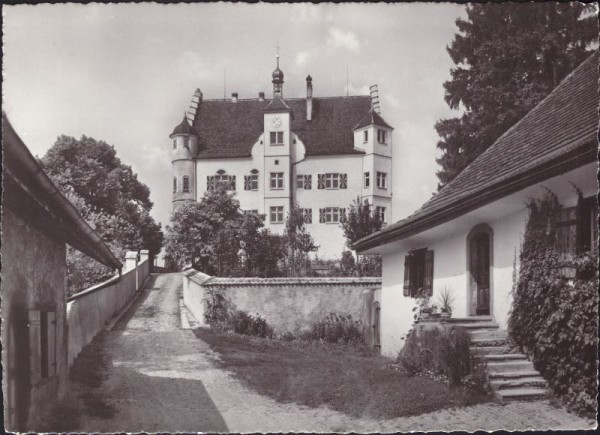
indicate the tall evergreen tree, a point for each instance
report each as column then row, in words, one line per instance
column 508, row 57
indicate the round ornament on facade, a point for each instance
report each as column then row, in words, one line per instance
column 276, row 121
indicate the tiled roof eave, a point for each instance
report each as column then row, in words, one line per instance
column 420, row 222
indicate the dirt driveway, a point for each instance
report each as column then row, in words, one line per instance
column 161, row 378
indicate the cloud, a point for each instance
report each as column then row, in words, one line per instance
column 339, row 38
column 392, row 100
column 193, row 65
column 358, row 90
column 301, row 58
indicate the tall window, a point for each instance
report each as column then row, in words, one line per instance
column 276, row 180
column 251, row 182
column 186, row 142
column 186, row 184
column 382, row 180
column 418, row 273
column 332, row 181
column 380, row 212
column 300, row 181
column 365, row 136
column 174, row 143
column 276, row 138
column 381, row 136
column 276, row 214
column 367, row 179
column 174, row 184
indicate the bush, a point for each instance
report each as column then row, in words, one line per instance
column 336, row 328
column 553, row 320
column 454, row 354
column 247, row 324
column 438, row 351
column 222, row 316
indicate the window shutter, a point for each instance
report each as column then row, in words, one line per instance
column 428, row 281
column 308, row 182
column 322, row 215
column 321, row 181
column 210, row 182
column 247, row 182
column 342, row 214
column 51, row 343
column 232, row 182
column 35, row 357
column 343, row 181
column 407, row 275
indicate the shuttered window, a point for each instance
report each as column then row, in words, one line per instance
column 186, row 184
column 418, row 273
column 174, row 184
column 306, row 215
column 251, row 182
column 42, row 342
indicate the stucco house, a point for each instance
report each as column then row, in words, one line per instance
column 37, row 223
column 467, row 237
column 318, row 153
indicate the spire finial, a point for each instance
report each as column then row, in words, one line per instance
column 277, row 56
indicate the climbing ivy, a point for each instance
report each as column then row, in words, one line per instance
column 556, row 321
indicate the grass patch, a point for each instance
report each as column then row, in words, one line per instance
column 346, row 378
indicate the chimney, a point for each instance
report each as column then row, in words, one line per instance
column 234, row 97
column 261, row 96
column 309, row 98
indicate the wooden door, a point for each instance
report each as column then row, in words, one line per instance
column 480, row 272
column 377, row 327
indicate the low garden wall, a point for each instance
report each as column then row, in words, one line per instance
column 287, row 304
column 89, row 311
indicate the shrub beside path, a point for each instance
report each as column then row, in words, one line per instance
column 161, row 378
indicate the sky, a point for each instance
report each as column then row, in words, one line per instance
column 125, row 73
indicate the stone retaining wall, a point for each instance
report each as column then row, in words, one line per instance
column 91, row 310
column 287, row 304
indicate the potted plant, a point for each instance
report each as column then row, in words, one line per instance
column 446, row 301
column 424, row 304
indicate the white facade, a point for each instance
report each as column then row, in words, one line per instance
column 267, row 180
column 506, row 218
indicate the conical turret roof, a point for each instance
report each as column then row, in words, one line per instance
column 184, row 128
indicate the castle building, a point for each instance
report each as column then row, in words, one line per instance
column 316, row 153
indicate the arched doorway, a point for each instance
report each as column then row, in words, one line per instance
column 479, row 266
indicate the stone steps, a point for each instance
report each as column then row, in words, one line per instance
column 504, row 357
column 521, row 394
column 511, row 376
column 521, row 382
column 488, row 350
column 484, row 326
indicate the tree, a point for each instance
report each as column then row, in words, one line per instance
column 360, row 222
column 215, row 236
column 299, row 243
column 109, row 197
column 508, row 57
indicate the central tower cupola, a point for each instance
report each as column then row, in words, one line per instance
column 277, row 79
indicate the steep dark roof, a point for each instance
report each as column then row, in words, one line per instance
column 228, row 129
column 372, row 118
column 277, row 105
column 559, row 134
column 184, row 128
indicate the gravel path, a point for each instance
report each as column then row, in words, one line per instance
column 161, row 378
